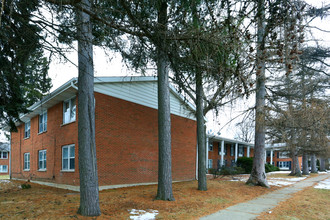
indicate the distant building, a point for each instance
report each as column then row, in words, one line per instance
column 278, row 155
column 4, row 158
column 225, row 151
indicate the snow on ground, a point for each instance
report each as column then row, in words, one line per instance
column 283, row 181
column 325, row 184
column 143, row 215
column 4, row 181
column 273, row 181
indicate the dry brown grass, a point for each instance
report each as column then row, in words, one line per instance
column 42, row 202
column 307, row 204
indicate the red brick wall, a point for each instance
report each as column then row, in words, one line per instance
column 126, row 141
column 56, row 136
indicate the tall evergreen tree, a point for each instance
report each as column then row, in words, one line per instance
column 24, row 68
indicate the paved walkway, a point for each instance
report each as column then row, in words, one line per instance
column 253, row 208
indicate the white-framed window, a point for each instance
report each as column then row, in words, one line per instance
column 3, row 155
column 211, row 146
column 68, row 158
column 27, row 128
column 3, row 169
column 241, row 151
column 210, row 164
column 232, row 150
column 69, row 110
column 42, row 160
column 283, row 154
column 26, row 161
column 284, row 164
column 43, row 122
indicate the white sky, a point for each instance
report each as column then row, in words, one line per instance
column 104, row 65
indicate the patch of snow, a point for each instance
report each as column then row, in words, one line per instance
column 4, row 181
column 274, row 172
column 142, row 214
column 325, row 184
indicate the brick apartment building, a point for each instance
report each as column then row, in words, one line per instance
column 224, row 151
column 4, row 158
column 277, row 155
column 45, row 148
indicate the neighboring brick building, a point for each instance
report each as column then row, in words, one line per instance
column 277, row 155
column 4, row 158
column 224, row 151
column 45, row 148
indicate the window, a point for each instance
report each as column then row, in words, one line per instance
column 27, row 161
column 283, row 154
column 241, row 151
column 27, row 129
column 3, row 155
column 42, row 160
column 284, row 164
column 3, row 169
column 69, row 110
column 43, row 122
column 210, row 164
column 68, row 158
column 211, row 146
column 232, row 149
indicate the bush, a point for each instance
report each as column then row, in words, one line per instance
column 271, row 168
column 245, row 163
column 26, row 186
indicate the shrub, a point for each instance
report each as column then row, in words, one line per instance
column 26, row 186
column 245, row 163
column 271, row 168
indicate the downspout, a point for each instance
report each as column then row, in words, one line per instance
column 73, row 86
column 10, row 156
column 197, row 161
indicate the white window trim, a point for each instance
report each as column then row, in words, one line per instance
column 28, row 122
column 68, row 170
column 210, row 164
column 1, row 155
column 43, row 123
column 29, row 162
column 63, row 118
column 2, row 170
column 45, row 161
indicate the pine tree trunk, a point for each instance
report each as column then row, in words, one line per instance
column 322, row 164
column 89, row 190
column 305, row 164
column 258, row 174
column 295, row 169
column 202, row 185
column 164, row 191
column 313, row 164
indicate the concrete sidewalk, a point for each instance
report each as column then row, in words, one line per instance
column 253, row 208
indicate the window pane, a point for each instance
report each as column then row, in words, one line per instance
column 65, row 164
column 71, row 152
column 40, row 155
column 73, row 110
column 40, row 164
column 72, row 164
column 66, row 112
column 45, row 164
column 65, row 153
column 4, row 155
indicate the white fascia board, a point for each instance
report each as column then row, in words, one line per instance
column 218, row 138
column 38, row 105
